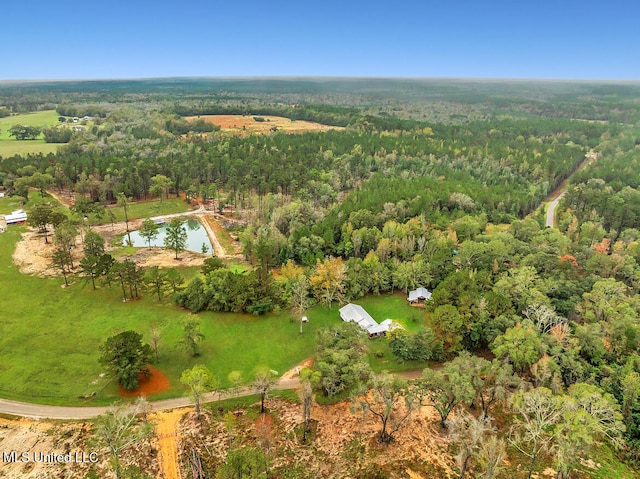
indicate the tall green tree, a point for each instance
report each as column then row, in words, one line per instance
column 93, row 249
column 156, row 280
column 149, row 231
column 175, row 280
column 341, row 360
column 124, row 202
column 61, row 258
column 446, row 388
column 160, row 184
column 191, row 336
column 65, row 238
column 176, row 238
column 24, row 132
column 521, row 346
column 40, row 217
column 199, row 380
column 126, row 357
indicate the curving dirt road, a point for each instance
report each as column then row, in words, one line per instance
column 551, row 211
column 559, row 192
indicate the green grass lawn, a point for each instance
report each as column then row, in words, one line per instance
column 50, row 336
column 10, row 203
column 9, row 146
column 146, row 209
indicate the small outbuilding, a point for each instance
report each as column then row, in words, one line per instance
column 16, row 217
column 419, row 294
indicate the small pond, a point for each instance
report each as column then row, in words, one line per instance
column 196, row 235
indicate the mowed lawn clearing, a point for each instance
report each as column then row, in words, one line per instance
column 9, row 146
column 264, row 124
column 50, row 336
column 145, row 209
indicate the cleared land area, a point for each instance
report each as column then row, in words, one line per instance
column 9, row 146
column 50, row 336
column 262, row 124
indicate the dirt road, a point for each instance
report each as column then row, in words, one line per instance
column 166, row 431
column 551, row 211
column 559, row 192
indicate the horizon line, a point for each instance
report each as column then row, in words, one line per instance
column 318, row 77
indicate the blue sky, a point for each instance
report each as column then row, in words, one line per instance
column 471, row 39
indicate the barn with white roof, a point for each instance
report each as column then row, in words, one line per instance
column 357, row 314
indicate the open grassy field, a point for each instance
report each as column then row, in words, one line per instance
column 247, row 123
column 50, row 336
column 9, row 146
column 145, row 209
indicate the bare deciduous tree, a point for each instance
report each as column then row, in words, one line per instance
column 119, row 429
column 468, row 433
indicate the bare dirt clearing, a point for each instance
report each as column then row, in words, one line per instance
column 294, row 372
column 248, row 124
column 33, row 256
column 337, row 448
column 39, row 439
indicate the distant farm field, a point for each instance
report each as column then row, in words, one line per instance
column 9, row 146
column 262, row 124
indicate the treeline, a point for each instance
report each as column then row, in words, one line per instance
column 179, row 126
column 128, row 149
column 80, row 110
column 223, row 290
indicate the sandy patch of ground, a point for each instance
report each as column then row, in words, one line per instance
column 166, row 432
column 146, row 257
column 294, row 372
column 39, row 439
column 246, row 123
column 33, row 256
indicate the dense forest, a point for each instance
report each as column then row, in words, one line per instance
column 425, row 184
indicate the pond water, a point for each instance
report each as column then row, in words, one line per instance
column 196, row 235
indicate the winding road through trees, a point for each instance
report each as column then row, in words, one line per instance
column 551, row 211
column 559, row 193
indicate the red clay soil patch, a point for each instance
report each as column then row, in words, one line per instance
column 156, row 383
column 265, row 421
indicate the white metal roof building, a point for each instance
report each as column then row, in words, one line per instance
column 17, row 216
column 357, row 314
column 420, row 294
